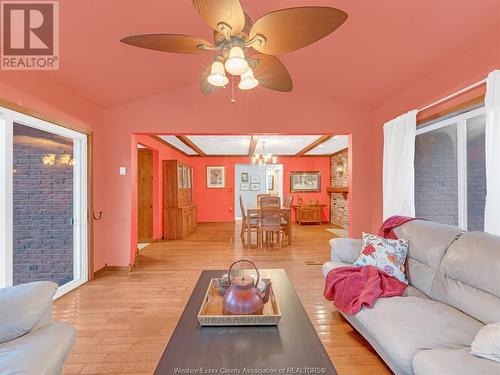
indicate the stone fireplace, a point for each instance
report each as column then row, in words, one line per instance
column 339, row 188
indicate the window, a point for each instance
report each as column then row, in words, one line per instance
column 450, row 175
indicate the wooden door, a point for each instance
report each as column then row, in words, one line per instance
column 145, row 194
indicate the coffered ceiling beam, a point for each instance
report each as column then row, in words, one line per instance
column 313, row 145
column 162, row 141
column 188, row 143
column 253, row 145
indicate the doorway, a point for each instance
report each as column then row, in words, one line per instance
column 254, row 179
column 145, row 194
column 43, row 203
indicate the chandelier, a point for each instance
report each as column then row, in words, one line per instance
column 265, row 157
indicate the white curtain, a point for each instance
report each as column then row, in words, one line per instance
column 399, row 171
column 492, row 134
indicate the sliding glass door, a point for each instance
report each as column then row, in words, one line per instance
column 44, row 203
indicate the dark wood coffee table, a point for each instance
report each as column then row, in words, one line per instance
column 292, row 347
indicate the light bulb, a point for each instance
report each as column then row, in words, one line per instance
column 236, row 63
column 248, row 81
column 217, row 75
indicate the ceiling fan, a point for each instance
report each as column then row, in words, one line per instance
column 235, row 35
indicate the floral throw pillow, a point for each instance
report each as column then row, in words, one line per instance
column 385, row 254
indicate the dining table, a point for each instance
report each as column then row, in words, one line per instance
column 254, row 210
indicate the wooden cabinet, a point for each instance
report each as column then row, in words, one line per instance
column 179, row 212
column 308, row 213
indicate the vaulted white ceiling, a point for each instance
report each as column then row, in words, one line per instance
column 222, row 144
column 285, row 145
column 331, row 146
column 247, row 145
column 178, row 144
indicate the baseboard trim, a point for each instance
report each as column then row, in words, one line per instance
column 100, row 271
column 118, row 268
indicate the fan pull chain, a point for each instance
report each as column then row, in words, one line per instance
column 233, row 99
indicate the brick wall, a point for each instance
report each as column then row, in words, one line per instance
column 339, row 213
column 436, row 177
column 476, row 176
column 42, row 203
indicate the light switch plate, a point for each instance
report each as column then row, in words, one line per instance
column 123, row 171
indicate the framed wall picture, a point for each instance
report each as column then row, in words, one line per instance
column 255, row 187
column 244, row 186
column 305, row 182
column 216, row 177
column 255, row 179
column 244, row 177
column 270, row 182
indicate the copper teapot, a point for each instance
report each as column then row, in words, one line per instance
column 243, row 297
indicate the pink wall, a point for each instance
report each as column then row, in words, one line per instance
column 472, row 64
column 32, row 91
column 160, row 152
column 217, row 205
column 309, row 164
column 186, row 111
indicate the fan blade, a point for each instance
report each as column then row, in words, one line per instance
column 218, row 36
column 271, row 73
column 215, row 12
column 207, row 88
column 293, row 28
column 175, row 43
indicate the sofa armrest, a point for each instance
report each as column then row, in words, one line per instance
column 345, row 250
column 25, row 307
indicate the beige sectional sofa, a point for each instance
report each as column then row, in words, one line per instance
column 454, row 291
column 30, row 342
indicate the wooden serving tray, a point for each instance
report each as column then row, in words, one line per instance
column 210, row 313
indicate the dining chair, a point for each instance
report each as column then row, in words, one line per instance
column 249, row 224
column 270, row 201
column 269, row 224
column 286, row 219
column 260, row 196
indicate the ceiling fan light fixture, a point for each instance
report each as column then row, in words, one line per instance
column 236, row 63
column 217, row 75
column 248, row 81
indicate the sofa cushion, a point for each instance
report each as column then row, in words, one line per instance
column 406, row 325
column 328, row 266
column 486, row 344
column 469, row 276
column 41, row 352
column 386, row 254
column 345, row 250
column 444, row 361
column 409, row 291
column 23, row 307
column 428, row 244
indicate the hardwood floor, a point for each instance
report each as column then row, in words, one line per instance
column 124, row 320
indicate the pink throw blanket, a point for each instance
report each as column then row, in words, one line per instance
column 388, row 226
column 352, row 288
